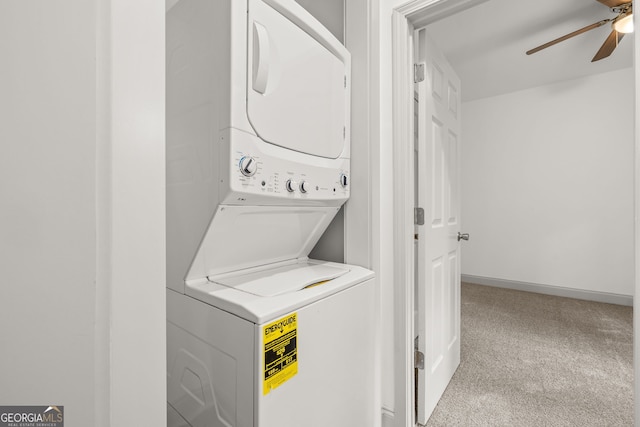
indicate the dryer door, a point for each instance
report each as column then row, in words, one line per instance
column 297, row 80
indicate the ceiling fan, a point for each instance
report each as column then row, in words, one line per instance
column 621, row 25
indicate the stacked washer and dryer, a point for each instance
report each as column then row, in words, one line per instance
column 258, row 112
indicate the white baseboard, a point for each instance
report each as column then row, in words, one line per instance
column 551, row 290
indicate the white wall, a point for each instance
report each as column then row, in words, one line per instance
column 136, row 129
column 547, row 185
column 384, row 258
column 47, row 210
column 82, row 314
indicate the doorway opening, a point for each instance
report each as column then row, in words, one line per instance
column 406, row 20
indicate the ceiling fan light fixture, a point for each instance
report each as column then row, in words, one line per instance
column 624, row 24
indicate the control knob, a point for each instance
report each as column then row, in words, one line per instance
column 290, row 185
column 344, row 180
column 304, row 186
column 248, row 166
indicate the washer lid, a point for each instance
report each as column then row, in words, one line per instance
column 298, row 89
column 260, row 309
column 242, row 237
column 281, row 280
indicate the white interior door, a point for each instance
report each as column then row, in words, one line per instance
column 438, row 249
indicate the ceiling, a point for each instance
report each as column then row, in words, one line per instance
column 486, row 44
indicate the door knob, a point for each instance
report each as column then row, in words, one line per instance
column 463, row 236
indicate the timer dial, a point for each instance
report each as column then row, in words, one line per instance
column 248, row 166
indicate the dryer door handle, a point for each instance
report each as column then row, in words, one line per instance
column 261, row 53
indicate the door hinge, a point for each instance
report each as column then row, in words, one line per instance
column 419, row 360
column 418, row 73
column 418, row 216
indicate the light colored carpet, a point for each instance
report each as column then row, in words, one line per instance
column 538, row 360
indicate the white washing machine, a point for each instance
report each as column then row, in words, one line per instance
column 258, row 105
column 252, row 351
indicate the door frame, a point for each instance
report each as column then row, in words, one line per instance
column 405, row 18
column 636, row 204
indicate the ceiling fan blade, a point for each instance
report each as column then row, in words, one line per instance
column 614, row 3
column 568, row 36
column 609, row 45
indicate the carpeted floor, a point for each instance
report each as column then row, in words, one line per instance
column 539, row 360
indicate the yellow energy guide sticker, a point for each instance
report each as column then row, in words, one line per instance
column 280, row 351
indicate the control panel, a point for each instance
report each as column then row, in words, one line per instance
column 255, row 173
column 264, row 173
